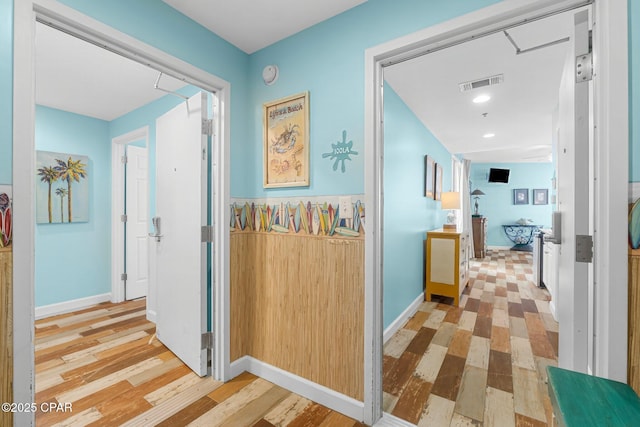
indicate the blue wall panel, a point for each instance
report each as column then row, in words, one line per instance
column 408, row 214
column 497, row 203
column 73, row 260
column 6, row 90
column 634, row 91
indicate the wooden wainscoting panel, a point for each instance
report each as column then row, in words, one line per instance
column 633, row 369
column 297, row 303
column 6, row 333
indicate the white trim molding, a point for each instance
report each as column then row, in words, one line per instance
column 69, row 306
column 318, row 393
column 402, row 319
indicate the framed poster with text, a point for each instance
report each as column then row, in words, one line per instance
column 286, row 142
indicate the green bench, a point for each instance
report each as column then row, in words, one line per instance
column 582, row 400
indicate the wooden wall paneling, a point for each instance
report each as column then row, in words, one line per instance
column 633, row 367
column 6, row 333
column 297, row 303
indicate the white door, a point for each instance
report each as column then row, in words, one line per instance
column 181, row 208
column 137, row 225
column 574, row 174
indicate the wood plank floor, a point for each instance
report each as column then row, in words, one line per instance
column 104, row 363
column 483, row 363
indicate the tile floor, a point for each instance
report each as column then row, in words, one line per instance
column 483, row 363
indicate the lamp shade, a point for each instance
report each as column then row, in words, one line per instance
column 477, row 192
column 451, row 200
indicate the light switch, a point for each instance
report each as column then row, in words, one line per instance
column 346, row 208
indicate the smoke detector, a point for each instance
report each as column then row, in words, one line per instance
column 487, row 81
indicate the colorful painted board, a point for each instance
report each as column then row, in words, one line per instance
column 62, row 188
column 634, row 225
column 286, row 142
column 6, row 219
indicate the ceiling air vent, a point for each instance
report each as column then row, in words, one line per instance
column 475, row 84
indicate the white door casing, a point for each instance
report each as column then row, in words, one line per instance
column 137, row 224
column 573, row 202
column 181, row 209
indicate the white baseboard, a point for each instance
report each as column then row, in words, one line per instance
column 552, row 308
column 404, row 316
column 499, row 248
column 316, row 392
column 151, row 316
column 389, row 420
column 68, row 306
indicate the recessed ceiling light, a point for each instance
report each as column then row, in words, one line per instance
column 488, row 135
column 481, row 98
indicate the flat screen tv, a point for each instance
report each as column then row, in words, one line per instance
column 498, row 175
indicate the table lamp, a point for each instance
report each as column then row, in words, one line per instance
column 477, row 193
column 451, row 201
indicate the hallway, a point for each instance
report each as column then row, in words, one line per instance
column 482, row 363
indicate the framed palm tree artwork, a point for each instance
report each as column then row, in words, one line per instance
column 62, row 189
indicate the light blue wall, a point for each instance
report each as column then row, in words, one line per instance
column 497, row 203
column 73, row 260
column 6, row 90
column 408, row 215
column 328, row 61
column 156, row 23
column 634, row 90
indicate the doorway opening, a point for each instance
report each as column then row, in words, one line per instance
column 63, row 18
column 512, row 129
column 488, row 21
column 130, row 216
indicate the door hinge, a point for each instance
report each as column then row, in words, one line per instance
column 584, row 67
column 584, row 248
column 124, row 159
column 123, row 276
column 123, row 218
column 206, row 341
column 207, row 127
column 207, row 234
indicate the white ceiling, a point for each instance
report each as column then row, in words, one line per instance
column 251, row 25
column 76, row 76
column 520, row 110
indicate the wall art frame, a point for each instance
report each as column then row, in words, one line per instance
column 286, row 144
column 540, row 196
column 429, row 174
column 438, row 182
column 520, row 196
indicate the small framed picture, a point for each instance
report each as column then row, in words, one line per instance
column 540, row 196
column 521, row 196
column 428, row 176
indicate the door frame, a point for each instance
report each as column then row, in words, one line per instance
column 118, row 150
column 25, row 15
column 611, row 170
